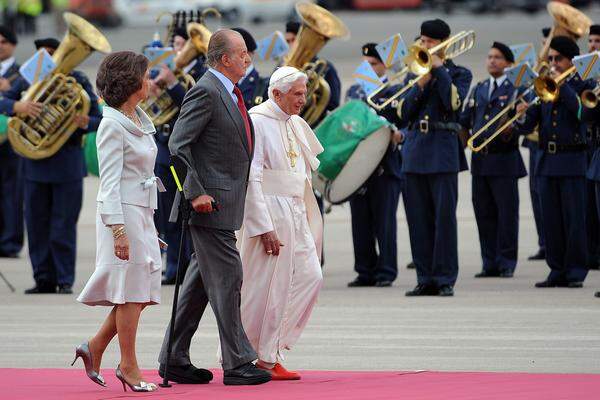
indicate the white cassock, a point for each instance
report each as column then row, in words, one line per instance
column 279, row 292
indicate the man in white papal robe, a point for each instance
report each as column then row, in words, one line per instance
column 282, row 231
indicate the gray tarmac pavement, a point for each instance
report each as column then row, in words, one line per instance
column 490, row 325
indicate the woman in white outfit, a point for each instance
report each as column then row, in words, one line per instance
column 128, row 262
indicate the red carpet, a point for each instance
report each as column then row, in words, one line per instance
column 72, row 384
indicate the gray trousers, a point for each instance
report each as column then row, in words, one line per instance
column 214, row 275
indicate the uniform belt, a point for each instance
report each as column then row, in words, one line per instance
column 501, row 150
column 553, row 147
column 425, row 126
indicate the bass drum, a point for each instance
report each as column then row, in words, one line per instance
column 355, row 139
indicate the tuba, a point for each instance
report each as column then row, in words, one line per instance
column 318, row 26
column 161, row 108
column 62, row 97
column 568, row 21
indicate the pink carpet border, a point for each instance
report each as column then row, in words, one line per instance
column 72, row 384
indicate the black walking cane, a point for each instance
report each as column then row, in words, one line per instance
column 179, row 172
column 11, row 287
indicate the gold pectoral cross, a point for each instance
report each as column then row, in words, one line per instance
column 293, row 156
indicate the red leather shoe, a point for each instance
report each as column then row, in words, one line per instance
column 279, row 373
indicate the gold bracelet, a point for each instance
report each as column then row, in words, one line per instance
column 119, row 229
column 118, row 233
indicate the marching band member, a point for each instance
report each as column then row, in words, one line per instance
column 594, row 38
column 53, row 190
column 8, row 65
column 496, row 169
column 432, row 158
column 283, row 229
column 197, row 67
column 249, row 83
column 592, row 117
column 374, row 207
column 11, row 184
column 534, row 158
column 561, row 171
column 593, row 138
column 172, row 231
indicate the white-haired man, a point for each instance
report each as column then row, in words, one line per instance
column 282, row 230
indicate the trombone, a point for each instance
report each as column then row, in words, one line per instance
column 546, row 89
column 419, row 62
column 502, row 114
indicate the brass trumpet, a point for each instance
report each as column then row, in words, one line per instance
column 418, row 62
column 589, row 97
column 548, row 88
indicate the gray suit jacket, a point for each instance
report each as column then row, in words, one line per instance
column 210, row 137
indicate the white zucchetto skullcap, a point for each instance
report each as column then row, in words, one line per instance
column 282, row 73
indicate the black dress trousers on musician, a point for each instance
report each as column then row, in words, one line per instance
column 11, row 202
column 592, row 217
column 11, row 191
column 374, row 228
column 496, row 206
column 431, row 201
column 534, row 159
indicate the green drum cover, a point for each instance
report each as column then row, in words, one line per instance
column 91, row 153
column 3, row 127
column 342, row 131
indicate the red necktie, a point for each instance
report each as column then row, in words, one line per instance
column 242, row 106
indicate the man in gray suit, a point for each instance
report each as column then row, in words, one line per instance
column 214, row 137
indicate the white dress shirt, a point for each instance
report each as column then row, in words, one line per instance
column 499, row 81
column 229, row 85
column 5, row 65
